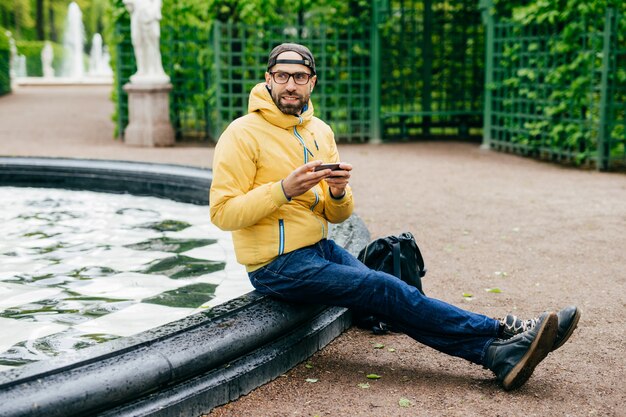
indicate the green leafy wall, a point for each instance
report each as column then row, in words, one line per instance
column 556, row 54
column 5, row 78
column 32, row 51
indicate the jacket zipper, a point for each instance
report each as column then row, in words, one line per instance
column 307, row 152
column 281, row 236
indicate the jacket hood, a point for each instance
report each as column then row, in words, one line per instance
column 261, row 101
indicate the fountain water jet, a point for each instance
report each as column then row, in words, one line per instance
column 73, row 69
column 98, row 58
column 73, row 42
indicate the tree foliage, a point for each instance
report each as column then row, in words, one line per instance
column 32, row 51
column 187, row 26
column 567, row 64
column 38, row 20
column 5, row 80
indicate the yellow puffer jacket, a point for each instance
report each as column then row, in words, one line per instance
column 252, row 156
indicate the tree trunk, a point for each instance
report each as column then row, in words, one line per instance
column 53, row 30
column 39, row 20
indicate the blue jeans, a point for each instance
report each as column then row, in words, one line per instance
column 325, row 273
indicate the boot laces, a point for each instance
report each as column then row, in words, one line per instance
column 514, row 325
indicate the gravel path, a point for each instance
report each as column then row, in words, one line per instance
column 547, row 236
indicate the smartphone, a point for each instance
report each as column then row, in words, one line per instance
column 333, row 167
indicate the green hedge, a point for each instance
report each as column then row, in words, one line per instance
column 4, row 39
column 32, row 51
column 549, row 81
column 198, row 16
column 5, row 77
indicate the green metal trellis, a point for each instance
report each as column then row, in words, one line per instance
column 343, row 67
column 5, row 78
column 414, row 71
column 565, row 105
column 433, row 72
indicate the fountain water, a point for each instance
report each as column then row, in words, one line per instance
column 47, row 55
column 183, row 368
column 73, row 69
column 20, row 68
column 73, row 42
column 98, row 58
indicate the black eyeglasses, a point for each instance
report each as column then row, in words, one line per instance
column 300, row 78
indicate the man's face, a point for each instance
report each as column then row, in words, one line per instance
column 290, row 97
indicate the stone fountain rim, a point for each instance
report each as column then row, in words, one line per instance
column 168, row 357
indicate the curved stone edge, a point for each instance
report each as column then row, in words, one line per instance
column 219, row 386
column 199, row 362
column 174, row 182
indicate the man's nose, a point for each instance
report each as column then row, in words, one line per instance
column 291, row 83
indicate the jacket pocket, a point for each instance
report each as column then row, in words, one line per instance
column 281, row 236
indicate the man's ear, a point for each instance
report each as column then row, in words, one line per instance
column 268, row 78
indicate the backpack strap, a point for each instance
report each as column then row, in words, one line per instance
column 396, row 260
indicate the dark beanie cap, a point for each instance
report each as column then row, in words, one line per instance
column 307, row 57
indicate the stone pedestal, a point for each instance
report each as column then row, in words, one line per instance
column 148, row 115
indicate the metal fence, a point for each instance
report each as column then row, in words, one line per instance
column 414, row 71
column 560, row 104
column 125, row 66
column 432, row 72
column 5, row 75
column 213, row 71
column 342, row 63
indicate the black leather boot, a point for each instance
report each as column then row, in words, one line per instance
column 568, row 320
column 514, row 360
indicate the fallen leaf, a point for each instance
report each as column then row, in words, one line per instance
column 379, row 346
column 364, row 385
column 308, row 365
column 373, row 376
column 494, row 290
column 405, row 402
column 467, row 295
column 311, row 380
column 391, row 350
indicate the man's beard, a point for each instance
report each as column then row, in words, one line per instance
column 292, row 109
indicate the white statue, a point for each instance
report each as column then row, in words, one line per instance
column 12, row 56
column 145, row 31
column 47, row 54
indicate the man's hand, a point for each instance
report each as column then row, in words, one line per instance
column 303, row 178
column 338, row 180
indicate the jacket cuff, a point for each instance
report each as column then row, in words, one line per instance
column 341, row 197
column 278, row 194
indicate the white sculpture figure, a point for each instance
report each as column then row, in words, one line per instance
column 145, row 31
column 47, row 54
column 12, row 56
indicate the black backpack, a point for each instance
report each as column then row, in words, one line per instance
column 396, row 255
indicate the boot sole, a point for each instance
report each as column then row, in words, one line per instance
column 538, row 350
column 573, row 325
